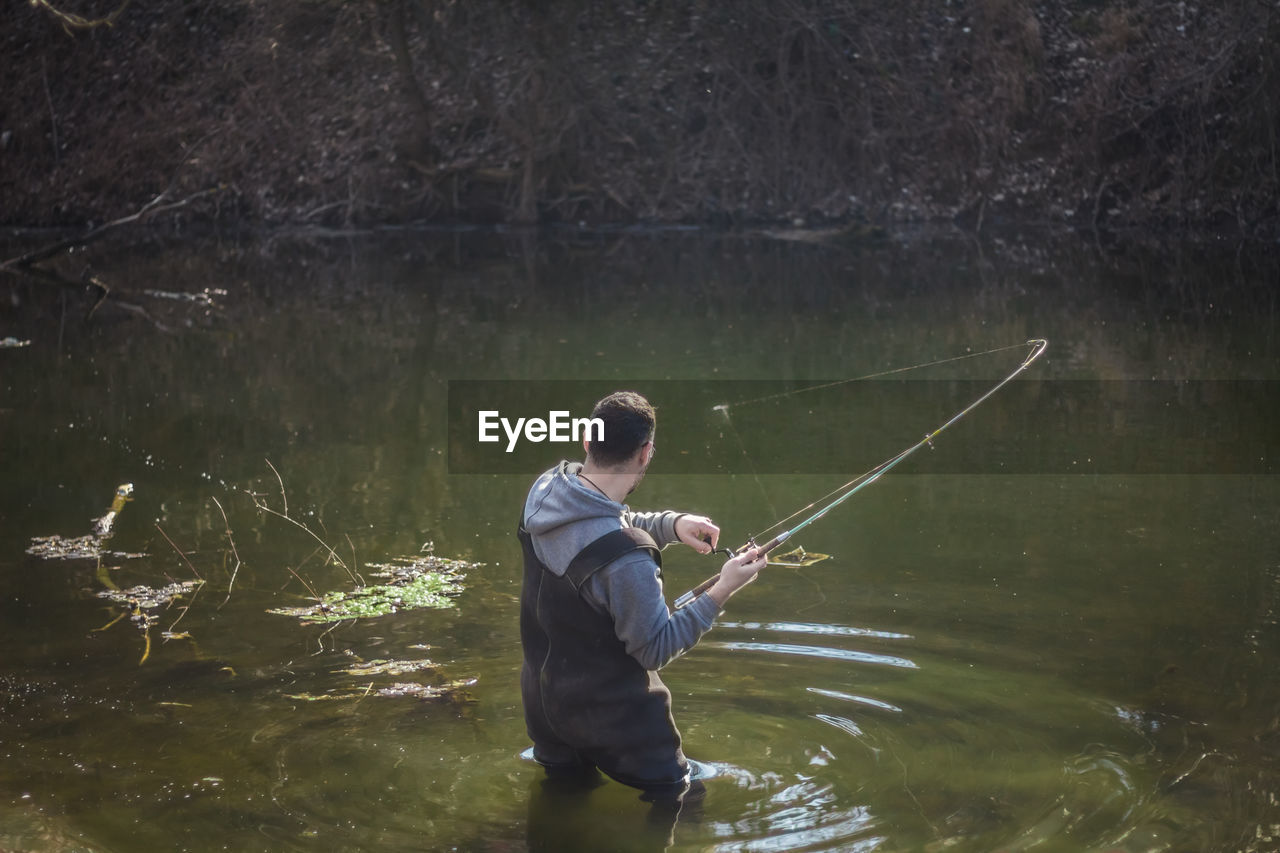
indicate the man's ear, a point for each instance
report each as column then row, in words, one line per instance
column 642, row 455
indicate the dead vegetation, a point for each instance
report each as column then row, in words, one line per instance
column 341, row 114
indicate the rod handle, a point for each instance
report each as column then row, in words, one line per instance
column 689, row 597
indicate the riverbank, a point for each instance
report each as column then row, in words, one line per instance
column 342, row 114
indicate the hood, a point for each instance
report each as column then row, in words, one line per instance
column 564, row 515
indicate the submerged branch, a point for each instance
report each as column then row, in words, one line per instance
column 156, row 206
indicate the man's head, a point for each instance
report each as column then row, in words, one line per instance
column 629, row 422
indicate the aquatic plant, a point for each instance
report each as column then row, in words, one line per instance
column 141, row 603
column 413, row 583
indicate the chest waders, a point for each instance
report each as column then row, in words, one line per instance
column 586, row 701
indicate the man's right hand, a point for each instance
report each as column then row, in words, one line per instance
column 737, row 573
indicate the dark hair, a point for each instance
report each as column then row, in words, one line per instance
column 628, row 420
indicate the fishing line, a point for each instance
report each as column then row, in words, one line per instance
column 724, row 410
column 726, row 406
column 841, row 494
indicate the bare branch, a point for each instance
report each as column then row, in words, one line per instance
column 236, row 569
column 71, row 21
column 179, row 550
column 155, row 206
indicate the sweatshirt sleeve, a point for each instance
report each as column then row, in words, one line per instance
column 631, row 592
column 660, row 525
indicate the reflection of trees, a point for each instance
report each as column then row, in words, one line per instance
column 332, row 359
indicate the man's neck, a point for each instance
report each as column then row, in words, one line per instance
column 612, row 483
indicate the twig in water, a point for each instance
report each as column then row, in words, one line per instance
column 179, row 550
column 234, row 552
column 184, row 609
column 366, row 692
column 284, row 499
column 263, row 507
column 320, row 640
column 311, row 589
column 151, row 208
column 356, row 577
column 307, row 559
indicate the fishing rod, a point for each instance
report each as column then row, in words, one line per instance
column 857, row 484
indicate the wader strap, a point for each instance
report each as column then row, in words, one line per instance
column 606, row 549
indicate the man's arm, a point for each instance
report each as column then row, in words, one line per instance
column 697, row 531
column 630, row 591
column 660, row 525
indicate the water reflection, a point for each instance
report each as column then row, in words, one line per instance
column 987, row 662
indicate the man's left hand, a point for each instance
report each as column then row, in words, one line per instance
column 698, row 532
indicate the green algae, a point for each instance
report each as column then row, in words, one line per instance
column 413, row 583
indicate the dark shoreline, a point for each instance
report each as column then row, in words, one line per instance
column 751, row 115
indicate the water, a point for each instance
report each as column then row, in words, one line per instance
column 1000, row 656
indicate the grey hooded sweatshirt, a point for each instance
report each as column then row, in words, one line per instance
column 563, row 515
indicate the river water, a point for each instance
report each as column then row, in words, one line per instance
column 1056, row 628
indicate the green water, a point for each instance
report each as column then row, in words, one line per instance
column 989, row 660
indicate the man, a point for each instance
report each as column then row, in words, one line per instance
column 593, row 621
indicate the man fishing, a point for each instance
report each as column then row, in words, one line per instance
column 593, row 621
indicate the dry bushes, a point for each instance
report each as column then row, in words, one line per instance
column 672, row 110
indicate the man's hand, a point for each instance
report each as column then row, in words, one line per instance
column 697, row 532
column 737, row 573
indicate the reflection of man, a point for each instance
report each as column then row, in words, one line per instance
column 593, row 621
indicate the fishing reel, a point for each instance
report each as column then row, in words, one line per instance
column 729, row 553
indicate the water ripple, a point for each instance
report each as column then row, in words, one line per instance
column 806, row 815
column 844, row 724
column 860, row 700
column 820, row 652
column 816, row 628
